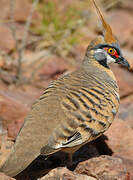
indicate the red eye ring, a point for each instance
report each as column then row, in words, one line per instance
column 112, row 52
column 116, row 55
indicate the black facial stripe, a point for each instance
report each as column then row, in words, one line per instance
column 104, row 63
column 101, row 46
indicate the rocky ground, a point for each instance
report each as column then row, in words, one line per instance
column 110, row 157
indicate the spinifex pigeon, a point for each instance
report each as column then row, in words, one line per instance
column 75, row 109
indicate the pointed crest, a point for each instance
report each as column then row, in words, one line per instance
column 108, row 35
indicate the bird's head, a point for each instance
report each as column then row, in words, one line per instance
column 105, row 49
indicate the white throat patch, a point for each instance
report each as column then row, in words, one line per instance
column 110, row 59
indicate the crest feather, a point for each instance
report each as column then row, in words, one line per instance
column 108, row 35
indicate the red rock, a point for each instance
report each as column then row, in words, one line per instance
column 53, row 67
column 129, row 56
column 127, row 5
column 124, row 79
column 20, row 13
column 14, row 107
column 129, row 165
column 103, row 168
column 7, row 43
column 120, row 29
column 120, row 140
column 126, row 112
column 11, row 110
column 126, row 101
column 64, row 174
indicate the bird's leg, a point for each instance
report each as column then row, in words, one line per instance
column 70, row 159
column 67, row 162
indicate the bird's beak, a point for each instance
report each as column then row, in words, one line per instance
column 123, row 62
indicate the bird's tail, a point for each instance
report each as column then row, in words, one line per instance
column 27, row 146
column 20, row 156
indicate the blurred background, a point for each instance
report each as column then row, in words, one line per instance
column 42, row 39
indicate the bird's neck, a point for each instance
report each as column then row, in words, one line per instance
column 90, row 65
column 101, row 74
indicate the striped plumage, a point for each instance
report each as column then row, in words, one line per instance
column 73, row 110
column 89, row 101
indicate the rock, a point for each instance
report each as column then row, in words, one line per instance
column 40, row 166
column 12, row 113
column 103, row 168
column 120, row 140
column 4, row 177
column 129, row 56
column 123, row 33
column 127, row 5
column 7, row 43
column 14, row 106
column 129, row 165
column 124, row 79
column 52, row 69
column 65, row 174
column 20, row 13
column 125, row 102
column 126, row 112
column 125, row 115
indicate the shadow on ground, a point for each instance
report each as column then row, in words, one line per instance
column 42, row 165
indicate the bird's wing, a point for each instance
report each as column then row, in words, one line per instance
column 76, row 127
column 75, row 139
column 44, row 118
column 34, row 134
column 86, row 115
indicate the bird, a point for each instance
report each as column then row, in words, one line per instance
column 74, row 109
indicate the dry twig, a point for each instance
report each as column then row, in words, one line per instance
column 20, row 48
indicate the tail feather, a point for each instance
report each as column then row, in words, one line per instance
column 27, row 146
column 19, row 158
